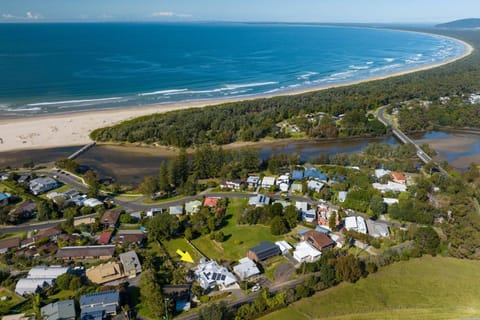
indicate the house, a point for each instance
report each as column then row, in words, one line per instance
column 342, row 196
column 377, row 229
column 390, row 186
column 322, row 230
column 78, row 200
column 105, row 237
column 297, row 187
column 110, row 218
column 83, row 220
column 339, row 239
column 130, row 236
column 106, row 272
column 231, row 184
column 39, row 277
column 8, row 244
column 259, row 200
column 302, row 206
column 297, row 175
column 263, row 251
column 398, row 177
column 246, row 269
column 92, row 203
column 284, row 246
column 25, row 211
column 357, row 224
column 86, row 252
column 268, row 182
column 4, row 198
column 323, row 218
column 193, row 206
column 315, row 185
column 4, row 176
column 309, row 215
column 284, row 187
column 253, row 181
column 210, row 274
column 390, row 201
column 180, row 293
column 313, row 173
column 99, row 305
column 70, row 194
column 24, row 178
column 210, row 202
column 60, row 310
column 41, row 185
column 379, row 173
column 175, row 210
column 153, row 211
column 318, row 239
column 284, row 178
column 305, row 252
column 131, row 263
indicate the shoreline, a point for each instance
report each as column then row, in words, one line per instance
column 70, row 129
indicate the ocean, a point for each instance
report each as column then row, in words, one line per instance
column 62, row 68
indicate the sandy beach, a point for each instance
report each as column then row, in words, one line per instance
column 58, row 130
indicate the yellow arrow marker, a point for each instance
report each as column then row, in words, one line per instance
column 185, row 256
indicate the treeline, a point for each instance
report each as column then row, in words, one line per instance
column 256, row 119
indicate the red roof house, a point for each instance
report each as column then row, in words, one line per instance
column 105, row 237
column 211, row 202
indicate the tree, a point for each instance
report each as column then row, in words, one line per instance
column 216, row 311
column 162, row 226
column 148, row 186
column 427, row 240
column 291, row 216
column 332, row 221
column 278, row 226
column 163, row 177
column 151, row 294
column 348, row 268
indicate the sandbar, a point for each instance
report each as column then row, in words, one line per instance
column 58, row 130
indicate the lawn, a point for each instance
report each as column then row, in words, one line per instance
column 14, row 300
column 239, row 238
column 426, row 288
column 173, row 245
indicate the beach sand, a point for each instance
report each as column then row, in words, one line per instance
column 71, row 129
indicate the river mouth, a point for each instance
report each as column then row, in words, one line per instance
column 130, row 164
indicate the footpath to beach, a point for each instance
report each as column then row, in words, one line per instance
column 74, row 128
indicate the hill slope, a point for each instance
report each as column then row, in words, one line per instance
column 426, row 288
column 472, row 23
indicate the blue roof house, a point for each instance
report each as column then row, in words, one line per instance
column 297, row 175
column 97, row 306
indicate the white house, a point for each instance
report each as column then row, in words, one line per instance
column 259, row 200
column 377, row 229
column 342, row 196
column 305, row 252
column 284, row 187
column 284, row 246
column 253, row 181
column 390, row 186
column 39, row 277
column 381, row 172
column 390, row 201
column 153, row 211
column 175, row 210
column 301, row 206
column 92, row 203
column 210, row 274
column 246, row 269
column 315, row 185
column 309, row 215
column 283, row 179
column 41, row 185
column 268, row 182
column 356, row 224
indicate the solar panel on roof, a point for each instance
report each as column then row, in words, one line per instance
column 223, row 277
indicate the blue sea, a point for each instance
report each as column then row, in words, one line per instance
column 59, row 68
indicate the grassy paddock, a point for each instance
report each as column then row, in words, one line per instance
column 239, row 238
column 426, row 288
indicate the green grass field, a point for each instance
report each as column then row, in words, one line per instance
column 13, row 300
column 173, row 245
column 239, row 237
column 426, row 288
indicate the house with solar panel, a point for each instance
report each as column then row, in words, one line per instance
column 210, row 274
column 100, row 305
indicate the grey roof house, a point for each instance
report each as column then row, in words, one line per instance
column 61, row 310
column 263, row 251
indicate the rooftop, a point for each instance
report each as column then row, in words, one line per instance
column 85, row 251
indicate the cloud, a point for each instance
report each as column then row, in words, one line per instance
column 33, row 16
column 7, row 16
column 170, row 14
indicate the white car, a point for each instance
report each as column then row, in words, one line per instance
column 256, row 288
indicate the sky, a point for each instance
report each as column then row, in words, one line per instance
column 336, row 11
